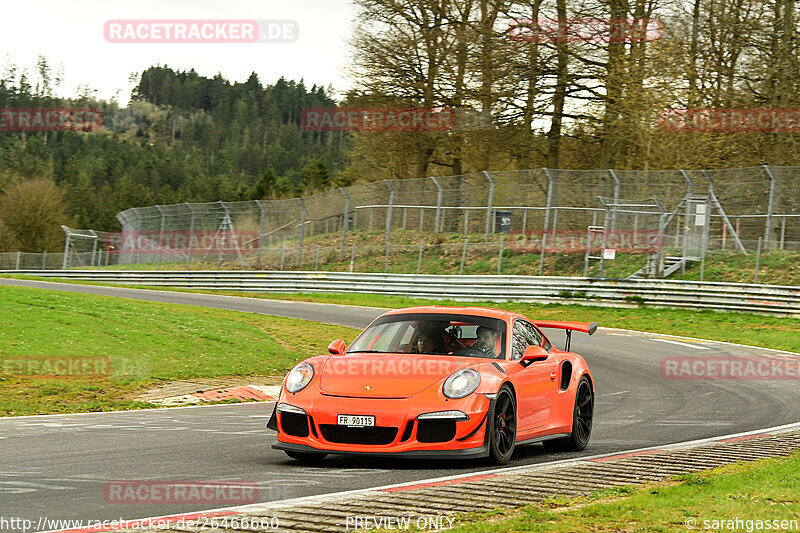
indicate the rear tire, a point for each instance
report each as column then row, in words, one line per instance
column 582, row 416
column 502, row 427
column 306, row 457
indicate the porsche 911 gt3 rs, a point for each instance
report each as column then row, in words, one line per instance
column 434, row 382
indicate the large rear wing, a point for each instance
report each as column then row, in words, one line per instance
column 585, row 327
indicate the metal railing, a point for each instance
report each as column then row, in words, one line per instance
column 767, row 299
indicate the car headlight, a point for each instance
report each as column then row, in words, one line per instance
column 462, row 383
column 299, row 377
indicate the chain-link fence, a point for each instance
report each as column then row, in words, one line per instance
column 591, row 213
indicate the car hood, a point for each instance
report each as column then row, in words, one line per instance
column 387, row 375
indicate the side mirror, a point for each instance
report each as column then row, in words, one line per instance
column 533, row 354
column 337, row 347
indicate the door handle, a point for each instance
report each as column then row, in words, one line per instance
column 553, row 375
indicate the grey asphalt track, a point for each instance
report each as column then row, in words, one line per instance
column 57, row 466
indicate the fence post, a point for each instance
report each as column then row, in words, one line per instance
column 489, row 205
column 44, row 260
column 352, row 257
column 438, row 207
column 66, row 248
column 500, row 255
column 419, row 258
column 549, row 203
column 463, row 256
column 19, row 254
column 616, row 199
column 95, row 262
column 758, row 260
column 388, row 224
column 160, row 236
column 783, row 232
column 191, row 234
column 316, row 261
column 260, row 228
column 302, row 231
column 541, row 256
column 283, row 253
column 137, row 256
column 706, row 230
column 345, row 219
column 771, row 207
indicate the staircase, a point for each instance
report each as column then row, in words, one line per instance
column 671, row 265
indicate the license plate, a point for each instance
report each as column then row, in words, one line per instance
column 356, row 420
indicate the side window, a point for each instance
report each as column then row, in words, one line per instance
column 406, row 338
column 543, row 342
column 547, row 346
column 525, row 335
column 519, row 341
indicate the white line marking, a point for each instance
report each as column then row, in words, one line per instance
column 610, row 330
column 293, row 502
column 613, row 393
column 685, row 344
column 158, row 409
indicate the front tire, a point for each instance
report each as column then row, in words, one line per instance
column 582, row 416
column 502, row 427
column 306, row 457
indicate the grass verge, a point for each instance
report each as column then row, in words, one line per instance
column 143, row 342
column 780, row 333
column 765, row 491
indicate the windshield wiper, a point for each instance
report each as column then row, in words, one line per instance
column 366, row 351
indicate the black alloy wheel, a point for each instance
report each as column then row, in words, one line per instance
column 503, row 427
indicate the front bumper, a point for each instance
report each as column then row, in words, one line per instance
column 468, row 453
column 398, row 431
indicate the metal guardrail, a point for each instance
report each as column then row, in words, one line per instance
column 767, row 299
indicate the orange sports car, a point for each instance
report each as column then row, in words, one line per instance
column 439, row 382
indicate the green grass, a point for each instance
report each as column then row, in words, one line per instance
column 145, row 342
column 775, row 268
column 763, row 490
column 780, row 333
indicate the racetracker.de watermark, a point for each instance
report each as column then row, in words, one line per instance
column 731, row 120
column 57, row 367
column 181, row 492
column 180, row 241
column 378, row 119
column 730, row 368
column 575, row 241
column 199, row 31
column 390, row 367
column 50, row 119
column 594, row 30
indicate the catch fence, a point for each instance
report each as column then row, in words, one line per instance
column 596, row 212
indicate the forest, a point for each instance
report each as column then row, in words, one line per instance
column 527, row 89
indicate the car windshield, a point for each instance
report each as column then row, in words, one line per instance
column 434, row 333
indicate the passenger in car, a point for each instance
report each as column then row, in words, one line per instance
column 431, row 341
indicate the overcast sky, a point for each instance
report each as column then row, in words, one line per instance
column 71, row 34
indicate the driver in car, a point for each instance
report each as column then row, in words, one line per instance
column 486, row 341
